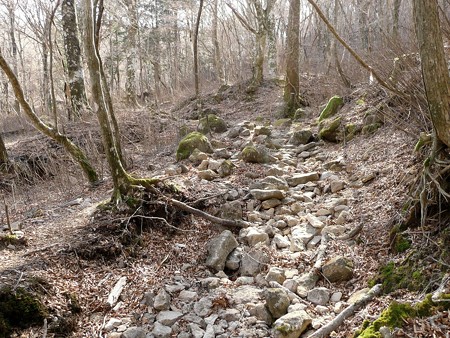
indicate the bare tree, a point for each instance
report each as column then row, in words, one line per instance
column 4, row 159
column 76, row 152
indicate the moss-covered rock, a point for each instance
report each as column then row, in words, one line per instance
column 192, row 141
column 212, row 122
column 184, row 130
column 409, row 275
column 331, row 108
column 226, row 168
column 19, row 309
column 301, row 137
column 371, row 128
column 351, row 130
column 282, row 123
column 252, row 154
column 396, row 314
column 329, row 129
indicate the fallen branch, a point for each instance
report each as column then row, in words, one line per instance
column 116, row 291
column 214, row 219
column 356, row 230
column 325, row 331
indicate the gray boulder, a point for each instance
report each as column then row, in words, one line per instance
column 253, row 261
column 263, row 195
column 161, row 331
column 319, row 296
column 301, row 137
column 297, row 179
column 134, row 332
column 277, row 302
column 219, row 248
column 338, row 269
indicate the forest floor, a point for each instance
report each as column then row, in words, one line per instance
column 72, row 256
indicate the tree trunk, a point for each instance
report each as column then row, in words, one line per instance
column 4, row 159
column 77, row 98
column 12, row 29
column 76, row 153
column 291, row 89
column 121, row 180
column 217, row 61
column 195, row 42
column 434, row 66
column 132, row 30
column 396, row 16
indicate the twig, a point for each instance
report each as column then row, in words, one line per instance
column 7, row 216
column 325, row 331
column 18, row 281
column 162, row 262
column 356, row 230
column 206, row 198
column 39, row 250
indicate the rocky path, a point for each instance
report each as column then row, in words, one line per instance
column 286, row 275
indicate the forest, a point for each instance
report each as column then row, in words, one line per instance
column 224, row 168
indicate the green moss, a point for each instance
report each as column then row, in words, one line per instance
column 351, row 130
column 401, row 243
column 395, row 315
column 407, row 276
column 190, row 142
column 282, row 122
column 331, row 108
column 19, row 309
column 251, row 155
column 284, row 329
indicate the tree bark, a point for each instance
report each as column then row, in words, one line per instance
column 195, row 42
column 12, row 35
column 4, row 159
column 292, row 87
column 434, row 66
column 132, row 31
column 217, row 61
column 77, row 98
column 76, row 152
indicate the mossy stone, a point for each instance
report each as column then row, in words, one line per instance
column 328, row 129
column 282, row 123
column 251, row 154
column 371, row 128
column 192, row 141
column 212, row 122
column 19, row 308
column 351, row 130
column 332, row 107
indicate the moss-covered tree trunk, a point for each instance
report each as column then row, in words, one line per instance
column 76, row 152
column 4, row 159
column 291, row 89
column 77, row 93
column 434, row 66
